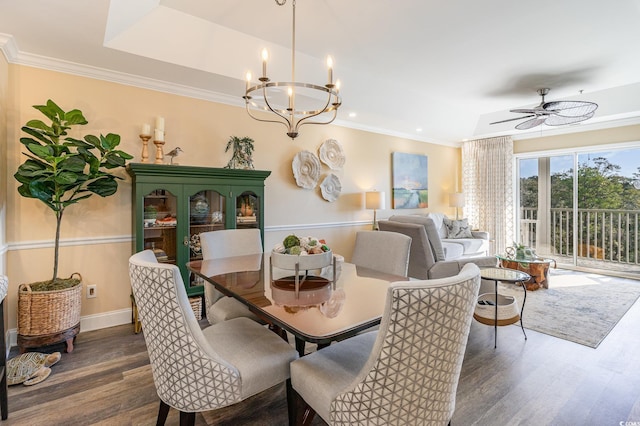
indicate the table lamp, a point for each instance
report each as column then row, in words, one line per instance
column 374, row 200
column 456, row 199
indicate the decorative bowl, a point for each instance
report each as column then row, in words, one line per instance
column 305, row 262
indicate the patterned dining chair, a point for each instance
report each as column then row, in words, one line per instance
column 198, row 369
column 405, row 373
column 4, row 406
column 383, row 251
column 218, row 245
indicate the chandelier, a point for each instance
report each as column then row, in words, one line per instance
column 294, row 103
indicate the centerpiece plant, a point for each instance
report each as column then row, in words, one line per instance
column 61, row 171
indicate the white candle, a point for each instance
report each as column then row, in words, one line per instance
column 160, row 124
column 159, row 135
column 290, row 93
column 330, row 66
column 248, row 80
column 146, row 130
column 265, row 58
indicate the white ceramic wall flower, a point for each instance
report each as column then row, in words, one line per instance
column 332, row 155
column 306, row 169
column 331, row 187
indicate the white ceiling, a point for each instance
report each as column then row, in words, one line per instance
column 446, row 67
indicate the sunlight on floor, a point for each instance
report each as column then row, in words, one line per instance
column 566, row 278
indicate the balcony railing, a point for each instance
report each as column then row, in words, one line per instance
column 603, row 235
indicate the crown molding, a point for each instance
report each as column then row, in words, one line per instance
column 15, row 56
column 9, row 47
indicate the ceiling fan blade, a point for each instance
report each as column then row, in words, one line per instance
column 559, row 120
column 524, row 110
column 531, row 123
column 513, row 119
column 570, row 108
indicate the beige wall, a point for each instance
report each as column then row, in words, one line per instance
column 4, row 96
column 575, row 140
column 201, row 129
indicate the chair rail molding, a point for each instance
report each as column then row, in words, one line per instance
column 69, row 242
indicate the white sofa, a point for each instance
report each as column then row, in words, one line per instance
column 452, row 248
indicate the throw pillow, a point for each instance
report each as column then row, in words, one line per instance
column 458, row 228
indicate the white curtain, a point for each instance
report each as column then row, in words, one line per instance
column 487, row 182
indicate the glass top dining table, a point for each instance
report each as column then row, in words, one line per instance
column 321, row 311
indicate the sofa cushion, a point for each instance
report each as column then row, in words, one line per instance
column 452, row 250
column 438, row 220
column 457, row 228
column 430, row 227
column 468, row 246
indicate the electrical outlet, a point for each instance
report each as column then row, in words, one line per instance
column 92, row 291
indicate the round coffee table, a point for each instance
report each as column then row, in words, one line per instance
column 512, row 276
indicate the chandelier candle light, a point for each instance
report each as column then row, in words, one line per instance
column 292, row 112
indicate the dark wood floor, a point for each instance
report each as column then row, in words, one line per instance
column 543, row 381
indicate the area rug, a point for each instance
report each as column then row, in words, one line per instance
column 579, row 307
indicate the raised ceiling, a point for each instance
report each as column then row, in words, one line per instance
column 448, row 68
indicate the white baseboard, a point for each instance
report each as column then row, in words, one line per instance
column 89, row 323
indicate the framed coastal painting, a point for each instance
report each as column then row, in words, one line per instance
column 410, row 181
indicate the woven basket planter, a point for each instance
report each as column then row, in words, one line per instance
column 508, row 312
column 196, row 305
column 48, row 314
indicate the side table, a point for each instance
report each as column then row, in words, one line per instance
column 537, row 268
column 496, row 274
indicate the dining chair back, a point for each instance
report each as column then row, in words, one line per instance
column 383, row 251
column 405, row 373
column 230, row 242
column 194, row 369
column 218, row 245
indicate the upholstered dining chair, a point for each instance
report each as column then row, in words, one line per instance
column 198, row 369
column 4, row 407
column 383, row 251
column 218, row 245
column 405, row 373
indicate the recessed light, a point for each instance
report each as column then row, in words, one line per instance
column 419, row 129
column 352, row 114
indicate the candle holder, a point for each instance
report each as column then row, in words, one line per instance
column 159, row 152
column 145, row 149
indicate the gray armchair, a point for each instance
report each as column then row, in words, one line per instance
column 422, row 260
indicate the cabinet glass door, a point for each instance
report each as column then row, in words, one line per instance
column 248, row 210
column 160, row 221
column 206, row 213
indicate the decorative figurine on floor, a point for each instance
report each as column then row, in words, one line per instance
column 242, row 151
column 30, row 368
column 174, row 153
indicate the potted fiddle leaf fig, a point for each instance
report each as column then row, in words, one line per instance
column 61, row 171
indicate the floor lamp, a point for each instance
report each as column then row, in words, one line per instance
column 374, row 200
column 456, row 199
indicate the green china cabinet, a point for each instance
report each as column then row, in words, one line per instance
column 173, row 204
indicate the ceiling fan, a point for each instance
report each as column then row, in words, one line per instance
column 555, row 113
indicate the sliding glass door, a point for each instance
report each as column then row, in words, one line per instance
column 582, row 208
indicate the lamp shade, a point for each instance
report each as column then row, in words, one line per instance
column 456, row 199
column 374, row 200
